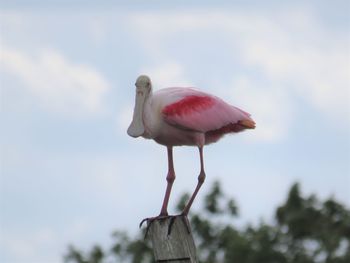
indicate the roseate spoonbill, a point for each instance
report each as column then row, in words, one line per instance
column 183, row 116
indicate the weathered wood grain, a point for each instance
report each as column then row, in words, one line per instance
column 175, row 247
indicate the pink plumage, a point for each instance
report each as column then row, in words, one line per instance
column 207, row 114
column 183, row 116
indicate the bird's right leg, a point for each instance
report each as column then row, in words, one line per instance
column 170, row 180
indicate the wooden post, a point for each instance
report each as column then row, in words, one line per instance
column 175, row 247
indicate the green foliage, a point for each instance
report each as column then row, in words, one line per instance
column 211, row 200
column 306, row 230
column 307, row 220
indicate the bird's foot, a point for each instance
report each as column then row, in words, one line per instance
column 172, row 218
column 150, row 220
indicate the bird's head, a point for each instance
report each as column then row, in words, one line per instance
column 143, row 85
column 143, row 89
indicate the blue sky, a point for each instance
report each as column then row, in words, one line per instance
column 69, row 172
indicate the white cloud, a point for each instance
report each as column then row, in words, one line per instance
column 12, row 19
column 98, row 28
column 315, row 68
column 270, row 108
column 124, row 118
column 102, row 176
column 168, row 73
column 30, row 247
column 58, row 84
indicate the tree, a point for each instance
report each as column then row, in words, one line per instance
column 305, row 230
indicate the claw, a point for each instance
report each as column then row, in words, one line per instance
column 143, row 221
column 149, row 223
column 172, row 220
column 150, row 220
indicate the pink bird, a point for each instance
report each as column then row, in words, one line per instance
column 183, row 116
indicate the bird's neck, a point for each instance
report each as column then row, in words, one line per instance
column 148, row 117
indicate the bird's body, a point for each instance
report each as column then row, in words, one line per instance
column 186, row 116
column 183, row 116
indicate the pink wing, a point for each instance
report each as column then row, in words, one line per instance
column 206, row 113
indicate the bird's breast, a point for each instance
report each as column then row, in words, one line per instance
column 152, row 120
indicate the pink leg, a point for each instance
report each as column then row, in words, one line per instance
column 201, row 179
column 170, row 180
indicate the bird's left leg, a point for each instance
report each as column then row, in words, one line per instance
column 201, row 179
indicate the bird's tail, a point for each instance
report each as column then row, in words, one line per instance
column 247, row 123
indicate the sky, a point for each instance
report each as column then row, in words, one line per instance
column 69, row 172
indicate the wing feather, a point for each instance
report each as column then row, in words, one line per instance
column 203, row 112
